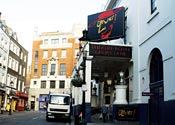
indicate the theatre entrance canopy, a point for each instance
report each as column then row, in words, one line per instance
column 110, row 59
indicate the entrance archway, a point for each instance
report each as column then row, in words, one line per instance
column 156, row 88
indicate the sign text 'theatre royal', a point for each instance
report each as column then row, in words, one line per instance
column 110, row 51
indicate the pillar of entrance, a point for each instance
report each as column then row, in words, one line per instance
column 120, row 94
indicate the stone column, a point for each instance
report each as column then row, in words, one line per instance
column 120, row 94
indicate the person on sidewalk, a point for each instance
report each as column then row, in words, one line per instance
column 104, row 112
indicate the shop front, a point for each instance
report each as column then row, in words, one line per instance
column 22, row 101
column 42, row 101
column 2, row 99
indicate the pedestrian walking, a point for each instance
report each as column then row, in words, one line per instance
column 104, row 112
column 110, row 112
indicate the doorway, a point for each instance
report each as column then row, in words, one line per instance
column 32, row 105
column 156, row 88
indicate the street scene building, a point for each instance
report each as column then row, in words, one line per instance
column 13, row 63
column 123, row 61
column 4, row 53
column 54, row 56
column 127, row 64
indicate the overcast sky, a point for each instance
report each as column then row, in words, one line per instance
column 23, row 16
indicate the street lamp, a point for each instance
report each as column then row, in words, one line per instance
column 84, row 89
column 10, row 110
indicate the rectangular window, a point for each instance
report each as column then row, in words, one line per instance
column 36, row 54
column 53, row 67
column 43, row 84
column 35, row 72
column 24, row 71
column 25, row 58
column 44, row 69
column 46, row 41
column 153, row 6
column 54, row 41
column 36, row 65
column 64, row 40
column 52, row 84
column 63, row 53
column 21, row 56
column 62, row 84
column 62, row 69
column 54, row 53
column 45, row 54
column 16, row 66
column 10, row 61
column 34, row 82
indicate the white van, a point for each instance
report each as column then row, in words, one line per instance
column 58, row 106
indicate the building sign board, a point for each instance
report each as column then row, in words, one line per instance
column 110, row 50
column 22, row 94
column 127, row 113
column 107, row 25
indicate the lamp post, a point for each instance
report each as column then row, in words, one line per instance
column 10, row 110
column 84, row 89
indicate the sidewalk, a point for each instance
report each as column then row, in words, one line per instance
column 6, row 114
column 96, row 120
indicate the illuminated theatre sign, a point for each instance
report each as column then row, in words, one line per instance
column 108, row 50
column 106, row 25
column 127, row 113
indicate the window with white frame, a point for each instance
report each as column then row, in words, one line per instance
column 14, row 49
column 64, row 40
column 24, row 71
column 43, row 84
column 54, row 53
column 45, row 54
column 46, row 41
column 63, row 53
column 20, row 69
column 153, row 6
column 25, row 58
column 53, row 68
column 52, row 84
column 35, row 72
column 16, row 65
column 34, row 82
column 44, row 69
column 21, row 56
column 10, row 62
column 62, row 84
column 17, row 50
column 62, row 69
column 54, row 41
